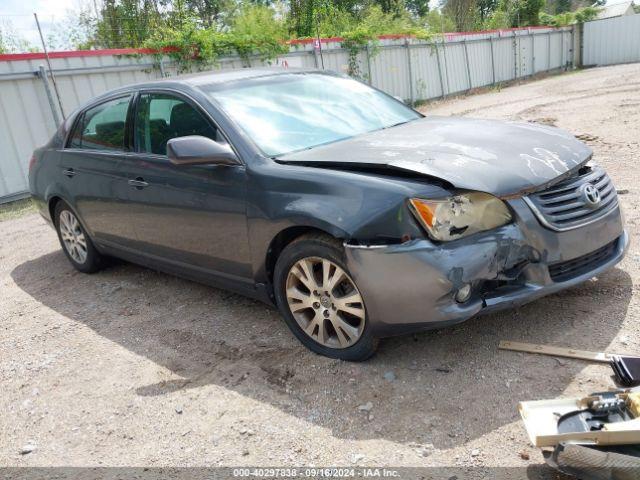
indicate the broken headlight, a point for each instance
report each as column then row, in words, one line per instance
column 460, row 215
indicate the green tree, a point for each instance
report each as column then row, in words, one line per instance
column 303, row 17
column 418, row 8
column 496, row 20
column 581, row 15
column 562, row 6
column 528, row 12
column 436, row 21
column 258, row 24
column 486, row 8
column 522, row 13
column 586, row 14
column 211, row 12
column 11, row 41
column 394, row 7
column 128, row 23
column 464, row 13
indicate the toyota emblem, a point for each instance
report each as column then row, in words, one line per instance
column 591, row 195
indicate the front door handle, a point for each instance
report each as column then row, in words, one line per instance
column 139, row 183
column 69, row 172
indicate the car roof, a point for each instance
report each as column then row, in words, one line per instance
column 210, row 77
column 238, row 74
column 196, row 80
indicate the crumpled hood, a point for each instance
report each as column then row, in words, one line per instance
column 502, row 158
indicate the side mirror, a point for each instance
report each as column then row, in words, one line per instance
column 197, row 150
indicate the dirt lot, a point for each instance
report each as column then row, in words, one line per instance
column 134, row 367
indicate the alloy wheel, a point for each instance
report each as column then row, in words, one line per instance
column 325, row 302
column 75, row 243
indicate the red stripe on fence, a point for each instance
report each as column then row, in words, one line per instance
column 83, row 53
column 397, row 36
column 296, row 41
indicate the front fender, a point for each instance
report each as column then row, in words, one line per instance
column 352, row 206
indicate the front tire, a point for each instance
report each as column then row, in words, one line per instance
column 319, row 300
column 75, row 241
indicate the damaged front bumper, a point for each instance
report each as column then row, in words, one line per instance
column 415, row 285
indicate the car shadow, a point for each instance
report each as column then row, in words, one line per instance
column 446, row 387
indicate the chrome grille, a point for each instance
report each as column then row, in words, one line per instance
column 563, row 206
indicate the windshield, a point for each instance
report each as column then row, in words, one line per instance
column 285, row 113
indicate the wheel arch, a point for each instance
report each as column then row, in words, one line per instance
column 285, row 237
column 52, row 203
column 51, row 206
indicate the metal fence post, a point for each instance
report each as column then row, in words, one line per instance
column 533, row 53
column 548, row 51
column 368, row 51
column 572, row 44
column 580, row 47
column 515, row 57
column 466, row 56
column 444, row 58
column 43, row 76
column 435, row 45
column 409, row 66
column 315, row 56
column 493, row 62
column 561, row 49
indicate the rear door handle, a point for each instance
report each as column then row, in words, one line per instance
column 139, row 183
column 69, row 172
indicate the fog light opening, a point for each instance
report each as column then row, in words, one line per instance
column 464, row 293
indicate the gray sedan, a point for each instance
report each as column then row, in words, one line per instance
column 354, row 214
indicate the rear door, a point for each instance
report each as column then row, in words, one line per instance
column 190, row 217
column 90, row 164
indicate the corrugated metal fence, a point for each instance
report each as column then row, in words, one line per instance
column 403, row 67
column 417, row 71
column 612, row 41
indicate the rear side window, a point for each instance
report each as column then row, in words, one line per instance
column 102, row 127
column 161, row 117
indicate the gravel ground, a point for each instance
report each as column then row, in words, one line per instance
column 133, row 367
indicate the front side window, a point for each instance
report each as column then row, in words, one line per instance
column 289, row 112
column 102, row 127
column 161, row 117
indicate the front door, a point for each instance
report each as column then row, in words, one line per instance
column 186, row 216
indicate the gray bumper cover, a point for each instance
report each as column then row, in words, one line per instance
column 411, row 286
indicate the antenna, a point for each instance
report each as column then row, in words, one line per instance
column 46, row 55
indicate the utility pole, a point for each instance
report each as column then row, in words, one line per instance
column 46, row 56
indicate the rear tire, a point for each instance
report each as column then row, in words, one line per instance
column 325, row 312
column 75, row 241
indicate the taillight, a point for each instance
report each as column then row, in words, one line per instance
column 32, row 162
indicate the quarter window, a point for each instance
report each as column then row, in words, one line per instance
column 102, row 127
column 161, row 117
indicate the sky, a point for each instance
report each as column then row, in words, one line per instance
column 20, row 13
